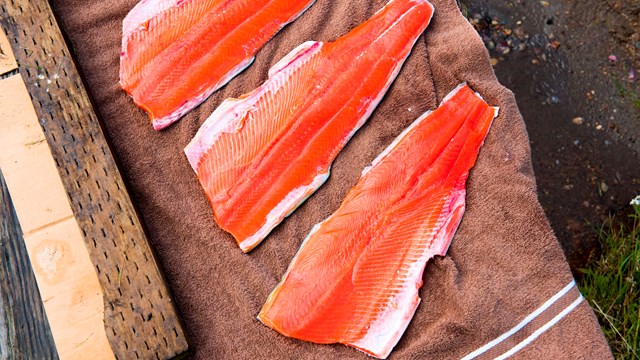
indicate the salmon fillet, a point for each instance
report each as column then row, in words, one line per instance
column 356, row 277
column 260, row 156
column 175, row 53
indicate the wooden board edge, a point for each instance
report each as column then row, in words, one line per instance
column 141, row 319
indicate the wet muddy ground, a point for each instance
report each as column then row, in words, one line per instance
column 574, row 67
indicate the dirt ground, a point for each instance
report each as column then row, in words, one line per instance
column 574, row 67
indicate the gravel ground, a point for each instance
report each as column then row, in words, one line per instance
column 574, row 68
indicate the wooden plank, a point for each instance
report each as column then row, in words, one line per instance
column 24, row 330
column 140, row 319
column 67, row 281
column 7, row 60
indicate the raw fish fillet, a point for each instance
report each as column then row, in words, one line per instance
column 260, row 156
column 356, row 277
column 175, row 53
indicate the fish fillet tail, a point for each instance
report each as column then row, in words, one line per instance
column 409, row 17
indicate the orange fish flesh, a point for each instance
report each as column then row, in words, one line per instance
column 260, row 156
column 175, row 53
column 356, row 277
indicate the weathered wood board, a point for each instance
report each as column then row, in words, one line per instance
column 102, row 289
column 67, row 281
column 7, row 60
column 24, row 330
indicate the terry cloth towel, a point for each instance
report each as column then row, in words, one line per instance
column 504, row 288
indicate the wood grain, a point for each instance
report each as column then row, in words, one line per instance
column 7, row 60
column 73, row 299
column 140, row 318
column 24, row 330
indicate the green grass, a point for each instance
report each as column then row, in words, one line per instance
column 626, row 93
column 611, row 284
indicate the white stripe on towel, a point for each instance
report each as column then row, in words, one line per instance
column 542, row 329
column 523, row 323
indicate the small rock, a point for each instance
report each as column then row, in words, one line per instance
column 494, row 22
column 494, row 61
column 554, row 44
column 598, row 127
column 519, row 22
column 554, row 99
column 535, row 61
column 544, row 3
column 578, row 120
column 567, row 187
column 604, row 187
column 491, row 45
column 612, row 58
column 586, row 203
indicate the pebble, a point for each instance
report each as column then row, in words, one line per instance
column 604, row 187
column 519, row 33
column 578, row 120
column 544, row 3
column 612, row 58
column 494, row 61
column 598, row 127
column 554, row 99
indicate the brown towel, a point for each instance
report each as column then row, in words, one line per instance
column 504, row 263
